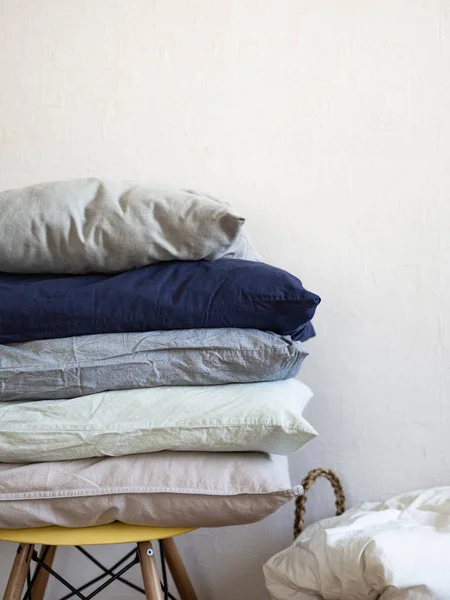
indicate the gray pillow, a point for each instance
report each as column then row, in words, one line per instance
column 78, row 366
column 96, row 225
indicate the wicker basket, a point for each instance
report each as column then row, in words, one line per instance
column 300, row 503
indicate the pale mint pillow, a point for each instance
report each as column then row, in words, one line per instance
column 97, row 225
column 263, row 417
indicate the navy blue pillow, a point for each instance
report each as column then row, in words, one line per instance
column 169, row 295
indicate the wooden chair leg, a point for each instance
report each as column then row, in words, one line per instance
column 47, row 555
column 178, row 570
column 18, row 572
column 149, row 570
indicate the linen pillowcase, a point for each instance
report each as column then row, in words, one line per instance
column 172, row 295
column 96, row 225
column 78, row 366
column 262, row 417
column 242, row 246
column 170, row 489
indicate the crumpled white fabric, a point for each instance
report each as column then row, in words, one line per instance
column 393, row 550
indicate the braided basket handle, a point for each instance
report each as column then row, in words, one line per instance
column 300, row 502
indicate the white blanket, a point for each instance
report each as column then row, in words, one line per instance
column 394, row 550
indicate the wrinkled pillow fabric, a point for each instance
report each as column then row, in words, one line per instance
column 170, row 489
column 263, row 417
column 96, row 225
column 396, row 549
column 170, row 295
column 78, row 366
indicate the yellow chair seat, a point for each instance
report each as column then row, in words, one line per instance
column 114, row 533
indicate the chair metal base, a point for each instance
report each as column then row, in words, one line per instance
column 143, row 554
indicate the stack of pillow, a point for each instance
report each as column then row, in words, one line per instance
column 147, row 360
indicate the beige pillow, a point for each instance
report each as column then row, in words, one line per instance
column 190, row 489
column 89, row 225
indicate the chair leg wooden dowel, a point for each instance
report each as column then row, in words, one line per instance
column 178, row 570
column 47, row 555
column 19, row 572
column 149, row 570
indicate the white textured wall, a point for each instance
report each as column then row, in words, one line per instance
column 327, row 123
